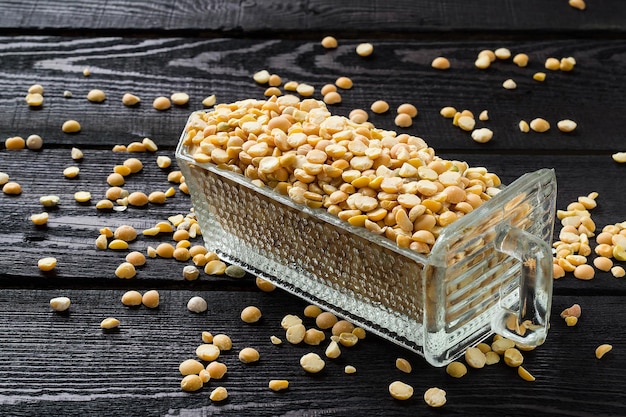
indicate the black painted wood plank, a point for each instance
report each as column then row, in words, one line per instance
column 314, row 17
column 64, row 364
column 399, row 71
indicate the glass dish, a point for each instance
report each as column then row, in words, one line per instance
column 490, row 271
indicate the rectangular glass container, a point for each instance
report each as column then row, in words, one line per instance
column 490, row 271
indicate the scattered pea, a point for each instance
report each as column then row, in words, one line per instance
column 190, row 367
column 138, row 199
column 491, row 358
column 364, row 49
column 404, row 365
column 474, row 357
column 509, row 84
column 71, row 126
column 312, row 363
column 329, row 42
column 261, row 77
column 305, row 90
column 39, row 219
column 603, row 350
column 15, row 143
column 314, row 337
column 190, row 273
column 34, row 99
column 249, row 355
column 441, row 63
column 131, row 298
column 619, row 157
column 400, row 390
column 332, row 350
column 618, row 271
column 151, row 299
column 4, row 178
column 326, row 320
column 566, row 125
column 109, row 323
column 47, row 264
column 197, row 305
column 539, row 76
column 278, row 384
column 251, row 314
column 379, row 106
column 521, row 60
column 539, row 125
column 180, row 99
column 524, row 374
column 456, row 369
column 12, row 188
column 584, row 272
column 60, row 303
column 36, row 89
column 435, row 397
column 161, row 103
column 34, row 142
column 129, row 99
column 96, row 96
column 209, row 101
column 218, row 394
column 191, row 383
column 125, row 270
column 403, row 120
column 216, row 370
column 513, row 357
column 295, row 334
column 482, row 135
column 349, row 369
column 223, row 342
column 312, row 311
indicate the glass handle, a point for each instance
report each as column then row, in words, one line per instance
column 528, row 325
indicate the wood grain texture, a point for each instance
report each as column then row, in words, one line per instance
column 135, row 370
column 313, row 17
column 158, row 67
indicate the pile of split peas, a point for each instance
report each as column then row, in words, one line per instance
column 572, row 250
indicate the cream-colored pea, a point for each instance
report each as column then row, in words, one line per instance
column 249, row 355
column 326, row 320
column 125, row 232
column 501, row 345
column 379, row 106
column 190, row 367
column 39, row 219
column 349, row 369
column 502, row 53
column 435, row 397
column 101, row 242
column 521, row 60
column 524, row 374
column 71, row 126
column 36, row 89
column 618, row 271
column 328, row 88
column 509, row 84
column 138, row 199
column 264, row 285
column 603, row 263
column 333, row 351
column 223, row 342
column 272, row 91
column 191, row 383
column 207, row 337
column 584, row 272
column 215, row 267
column 275, row 340
column 15, row 143
column 344, row 83
column 329, row 42
column 483, row 116
column 47, row 264
column 109, row 323
column 466, row 123
column 208, row 352
column 218, row 394
column 305, row 90
column 34, row 99
column 491, row 358
column 86, row 72
column 60, row 303
column 216, row 370
column 151, row 299
column 407, row 108
column 82, row 196
column 4, row 178
column 96, row 96
column 567, row 64
column 523, row 126
column 261, row 77
column 114, row 179
column 539, row 76
column 619, row 157
column 12, row 188
column 482, row 62
column 312, row 363
column 191, row 273
column 312, row 311
column 482, row 135
column 566, row 125
column 131, row 298
column 513, row 357
column 163, row 162
column 539, row 125
column 161, row 103
column 250, row 314
column 400, row 390
column 278, row 384
column 552, row 64
column 34, row 142
column 314, row 337
column 129, row 99
column 197, row 304
column 403, row 120
column 475, row 358
column 456, row 369
column 364, row 49
column 441, row 63
column 179, row 98
column 603, row 350
column 275, row 80
column 332, row 97
column 134, row 164
column 404, row 365
column 209, row 101
column 295, row 334
column 358, row 116
column 157, row 197
column 125, row 270
column 149, row 144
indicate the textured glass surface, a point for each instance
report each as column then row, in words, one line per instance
column 435, row 305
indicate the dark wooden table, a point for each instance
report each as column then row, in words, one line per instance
column 63, row 364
